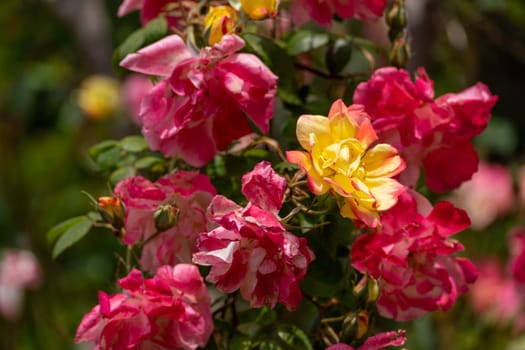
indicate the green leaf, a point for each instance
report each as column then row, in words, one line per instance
column 109, row 158
column 268, row 345
column 153, row 31
column 306, row 40
column 295, row 337
column 133, row 144
column 148, row 162
column 101, row 147
column 120, row 174
column 240, row 342
column 72, row 234
column 59, row 229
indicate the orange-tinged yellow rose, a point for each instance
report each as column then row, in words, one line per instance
column 260, row 9
column 340, row 158
column 219, row 21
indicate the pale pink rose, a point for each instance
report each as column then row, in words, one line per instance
column 487, row 196
column 322, row 11
column 19, row 270
column 174, row 10
column 375, row 342
column 435, row 134
column 494, row 296
column 169, row 311
column 188, row 194
column 202, row 106
column 251, row 250
column 412, row 259
column 134, row 88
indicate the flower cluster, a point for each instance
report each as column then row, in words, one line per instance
column 169, row 311
column 251, row 250
column 363, row 159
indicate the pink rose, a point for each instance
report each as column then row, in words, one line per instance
column 435, row 134
column 412, row 259
column 19, row 270
column 202, row 105
column 134, row 88
column 494, row 296
column 322, row 11
column 251, row 250
column 487, row 196
column 169, row 311
column 185, row 195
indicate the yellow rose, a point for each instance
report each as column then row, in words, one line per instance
column 339, row 158
column 99, row 96
column 219, row 21
column 259, row 9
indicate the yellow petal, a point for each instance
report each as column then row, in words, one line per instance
column 219, row 21
column 313, row 124
column 259, row 9
column 341, row 127
column 315, row 181
column 385, row 190
column 382, row 160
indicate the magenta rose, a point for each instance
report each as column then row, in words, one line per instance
column 250, row 249
column 205, row 99
column 412, row 259
column 169, row 311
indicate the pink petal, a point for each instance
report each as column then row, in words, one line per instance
column 159, row 58
column 128, row 6
column 264, row 188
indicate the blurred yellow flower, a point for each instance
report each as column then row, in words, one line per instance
column 219, row 21
column 339, row 159
column 260, row 9
column 99, row 96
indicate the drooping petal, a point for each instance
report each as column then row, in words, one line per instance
column 159, row 58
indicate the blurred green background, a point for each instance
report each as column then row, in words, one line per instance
column 48, row 49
